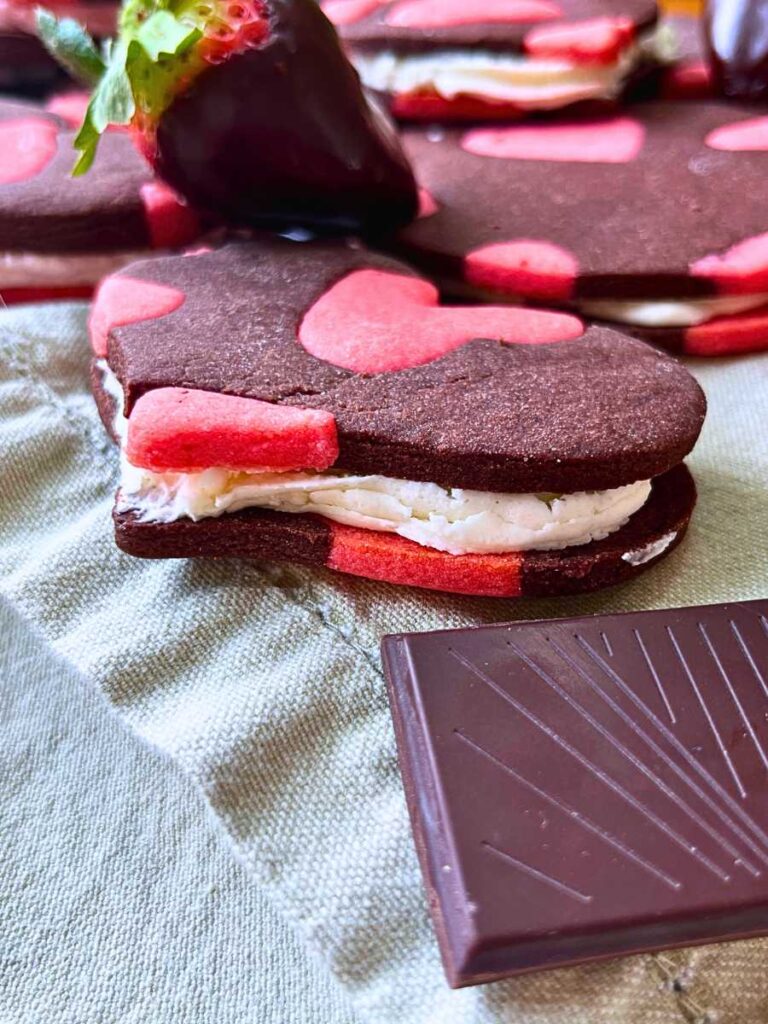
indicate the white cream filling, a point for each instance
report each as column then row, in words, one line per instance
column 36, row 270
column 529, row 82
column 670, row 312
column 640, row 556
column 456, row 520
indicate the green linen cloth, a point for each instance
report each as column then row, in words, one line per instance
column 120, row 901
column 263, row 683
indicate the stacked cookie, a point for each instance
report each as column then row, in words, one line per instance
column 295, row 394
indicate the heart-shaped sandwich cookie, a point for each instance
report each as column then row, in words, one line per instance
column 59, row 235
column 316, row 403
column 490, row 59
column 632, row 219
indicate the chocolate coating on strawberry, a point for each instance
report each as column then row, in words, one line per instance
column 250, row 110
column 524, row 210
column 282, row 135
column 538, row 408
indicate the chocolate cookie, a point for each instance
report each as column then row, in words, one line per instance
column 491, row 59
column 621, row 219
column 26, row 67
column 487, row 450
column 58, row 234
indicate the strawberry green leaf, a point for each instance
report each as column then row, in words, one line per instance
column 86, row 141
column 112, row 101
column 141, row 73
column 163, row 35
column 70, row 44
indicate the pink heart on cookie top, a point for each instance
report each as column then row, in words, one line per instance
column 27, row 146
column 374, row 322
column 444, row 13
column 750, row 135
column 615, row 140
column 596, row 41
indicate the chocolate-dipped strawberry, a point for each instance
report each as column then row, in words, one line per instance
column 250, row 110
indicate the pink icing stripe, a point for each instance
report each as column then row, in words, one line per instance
column 596, row 41
column 384, row 556
column 524, row 267
column 616, row 140
column 187, row 431
column 375, row 322
column 444, row 13
column 740, row 270
column 124, row 300
column 729, row 335
column 427, row 204
column 27, row 146
column 346, row 12
column 689, row 80
column 741, row 136
column 171, row 222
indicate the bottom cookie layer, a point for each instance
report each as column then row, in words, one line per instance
column 734, row 335
column 273, row 536
column 15, row 296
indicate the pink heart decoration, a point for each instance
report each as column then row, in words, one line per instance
column 741, row 270
column 597, row 41
column 427, row 204
column 741, row 136
column 526, row 268
column 171, row 222
column 347, row 12
column 127, row 300
column 444, row 13
column 27, row 146
column 183, row 430
column 375, row 322
column 614, row 141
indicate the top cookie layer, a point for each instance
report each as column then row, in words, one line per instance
column 638, row 205
column 418, row 391
column 419, row 26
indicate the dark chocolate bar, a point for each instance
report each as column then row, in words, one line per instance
column 587, row 788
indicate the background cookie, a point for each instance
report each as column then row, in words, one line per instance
column 631, row 218
column 59, row 235
column 439, row 59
